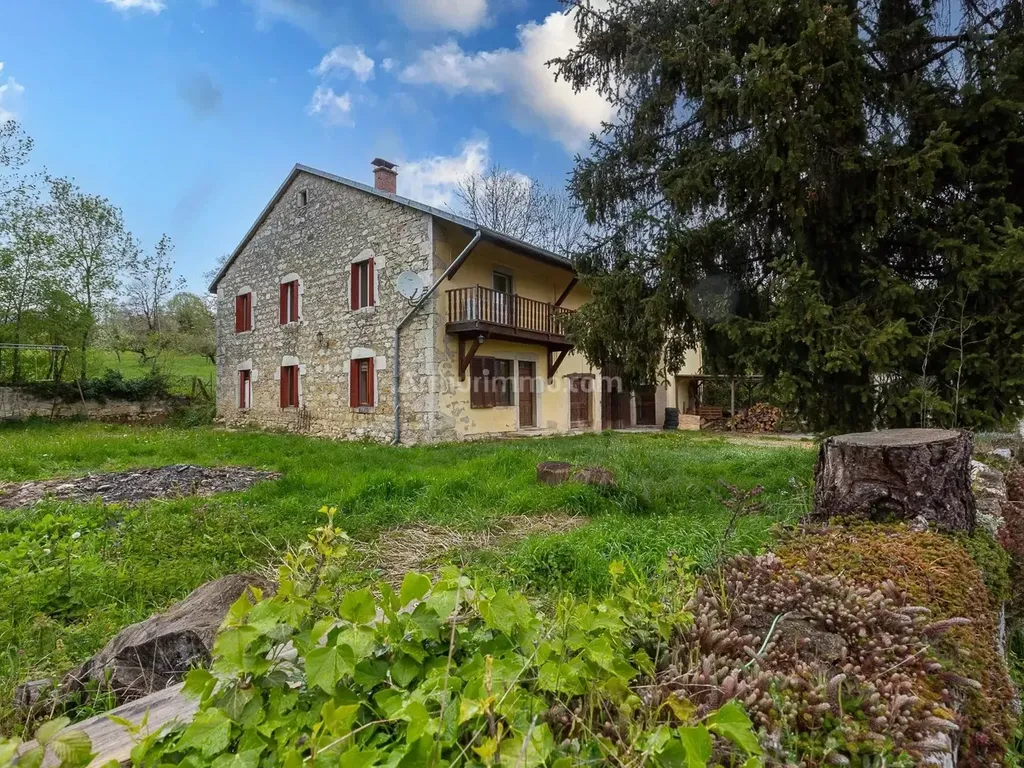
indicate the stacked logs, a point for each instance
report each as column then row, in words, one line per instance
column 759, row 417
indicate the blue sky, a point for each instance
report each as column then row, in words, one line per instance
column 188, row 114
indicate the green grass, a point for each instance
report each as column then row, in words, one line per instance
column 180, row 369
column 64, row 596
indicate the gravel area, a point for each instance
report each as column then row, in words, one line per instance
column 135, row 486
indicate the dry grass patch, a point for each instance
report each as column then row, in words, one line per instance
column 420, row 547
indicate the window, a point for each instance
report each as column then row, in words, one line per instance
column 289, row 386
column 244, row 389
column 289, row 302
column 491, row 382
column 362, row 284
column 361, row 394
column 243, row 313
column 303, row 198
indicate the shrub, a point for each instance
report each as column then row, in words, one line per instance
column 111, row 386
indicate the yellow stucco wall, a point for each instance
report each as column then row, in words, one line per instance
column 533, row 280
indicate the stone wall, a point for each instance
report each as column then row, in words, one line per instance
column 317, row 244
column 18, row 404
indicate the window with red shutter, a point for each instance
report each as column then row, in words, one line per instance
column 491, row 383
column 290, row 386
column 289, row 302
column 362, row 284
column 243, row 312
column 361, row 383
column 244, row 389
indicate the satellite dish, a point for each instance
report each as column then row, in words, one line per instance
column 409, row 285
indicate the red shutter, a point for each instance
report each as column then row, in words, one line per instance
column 295, row 386
column 284, row 303
column 295, row 300
column 239, row 305
column 241, row 389
column 369, row 379
column 355, row 286
column 369, row 283
column 353, row 384
column 285, row 378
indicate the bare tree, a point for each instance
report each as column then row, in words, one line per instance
column 150, row 286
column 523, row 208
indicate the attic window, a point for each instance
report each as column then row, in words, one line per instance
column 303, row 198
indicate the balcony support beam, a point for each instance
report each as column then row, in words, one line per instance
column 555, row 362
column 567, row 291
column 466, row 356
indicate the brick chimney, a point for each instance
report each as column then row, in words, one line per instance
column 385, row 177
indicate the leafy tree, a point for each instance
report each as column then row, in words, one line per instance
column 194, row 324
column 151, row 281
column 829, row 193
column 92, row 246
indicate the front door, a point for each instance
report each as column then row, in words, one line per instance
column 527, row 398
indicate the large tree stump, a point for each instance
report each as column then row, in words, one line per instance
column 898, row 474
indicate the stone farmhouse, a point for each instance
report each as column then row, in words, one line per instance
column 349, row 311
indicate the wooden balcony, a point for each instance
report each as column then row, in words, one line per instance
column 479, row 311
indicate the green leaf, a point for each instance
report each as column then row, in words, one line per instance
column 198, row 682
column 414, row 587
column 8, row 748
column 404, row 671
column 359, row 607
column 732, row 723
column 32, row 759
column 230, row 646
column 326, row 666
column 239, row 609
column 698, row 745
column 247, row 759
column 209, row 733
column 358, row 758
column 72, row 748
column 46, row 731
column 338, row 719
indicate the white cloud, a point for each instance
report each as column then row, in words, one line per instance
column 333, row 108
column 450, row 15
column 522, row 76
column 387, row 64
column 152, row 6
column 347, row 57
column 432, row 180
column 10, row 91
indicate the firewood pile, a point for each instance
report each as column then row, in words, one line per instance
column 759, row 417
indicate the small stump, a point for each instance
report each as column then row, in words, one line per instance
column 553, row 472
column 898, row 474
column 595, row 476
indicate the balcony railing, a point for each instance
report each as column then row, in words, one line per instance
column 483, row 306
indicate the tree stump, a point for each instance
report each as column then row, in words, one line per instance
column 898, row 474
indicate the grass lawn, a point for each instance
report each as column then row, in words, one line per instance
column 65, row 595
column 176, row 366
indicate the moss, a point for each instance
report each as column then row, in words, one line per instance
column 993, row 561
column 939, row 573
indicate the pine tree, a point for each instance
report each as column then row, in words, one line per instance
column 828, row 193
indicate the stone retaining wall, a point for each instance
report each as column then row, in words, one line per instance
column 17, row 404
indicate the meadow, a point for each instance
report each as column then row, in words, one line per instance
column 74, row 574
